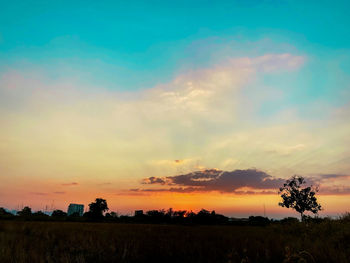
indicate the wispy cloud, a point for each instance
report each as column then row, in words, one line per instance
column 331, row 184
column 199, row 119
column 39, row 193
column 70, row 184
column 332, row 176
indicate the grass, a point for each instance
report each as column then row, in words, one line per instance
column 36, row 242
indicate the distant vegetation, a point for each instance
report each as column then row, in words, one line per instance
column 286, row 241
column 97, row 213
column 169, row 216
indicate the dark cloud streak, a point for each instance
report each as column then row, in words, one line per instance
column 215, row 180
column 249, row 181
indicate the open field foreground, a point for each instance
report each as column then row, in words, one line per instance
column 20, row 241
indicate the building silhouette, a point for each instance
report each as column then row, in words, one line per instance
column 75, row 209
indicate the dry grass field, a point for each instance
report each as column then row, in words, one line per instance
column 36, row 242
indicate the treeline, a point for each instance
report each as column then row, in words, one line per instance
column 169, row 216
column 98, row 212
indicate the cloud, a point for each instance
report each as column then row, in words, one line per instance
column 250, row 181
column 172, row 163
column 171, row 189
column 39, row 193
column 332, row 176
column 285, row 150
column 43, row 194
column 335, row 190
column 70, row 184
column 326, row 179
column 216, row 180
column 197, row 92
column 154, row 180
column 331, row 184
column 200, row 118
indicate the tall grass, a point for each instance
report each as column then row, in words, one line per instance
column 36, row 242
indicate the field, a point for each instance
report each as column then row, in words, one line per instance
column 35, row 242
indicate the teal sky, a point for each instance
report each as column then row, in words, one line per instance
column 141, row 43
column 121, row 89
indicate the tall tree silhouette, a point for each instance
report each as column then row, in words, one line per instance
column 298, row 197
column 97, row 208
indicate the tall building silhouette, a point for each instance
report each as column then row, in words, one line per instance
column 75, row 208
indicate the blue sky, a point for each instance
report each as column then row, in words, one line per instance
column 138, row 44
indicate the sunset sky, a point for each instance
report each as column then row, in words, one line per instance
column 182, row 104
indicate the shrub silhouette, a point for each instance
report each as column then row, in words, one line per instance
column 4, row 214
column 289, row 220
column 345, row 217
column 39, row 214
column 258, row 221
column 25, row 212
column 58, row 213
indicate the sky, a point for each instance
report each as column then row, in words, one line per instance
column 182, row 104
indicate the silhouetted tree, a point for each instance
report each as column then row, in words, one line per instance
column 179, row 216
column 169, row 213
column 156, row 216
column 108, row 215
column 180, row 213
column 26, row 211
column 114, row 214
column 97, row 208
column 299, row 198
column 190, row 215
column 75, row 214
column 58, row 213
column 204, row 217
column 289, row 220
column 345, row 217
column 5, row 214
column 204, row 213
column 258, row 220
column 40, row 215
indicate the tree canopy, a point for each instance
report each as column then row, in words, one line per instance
column 97, row 208
column 299, row 197
column 26, row 211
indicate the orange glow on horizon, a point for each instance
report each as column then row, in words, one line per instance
column 227, row 204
